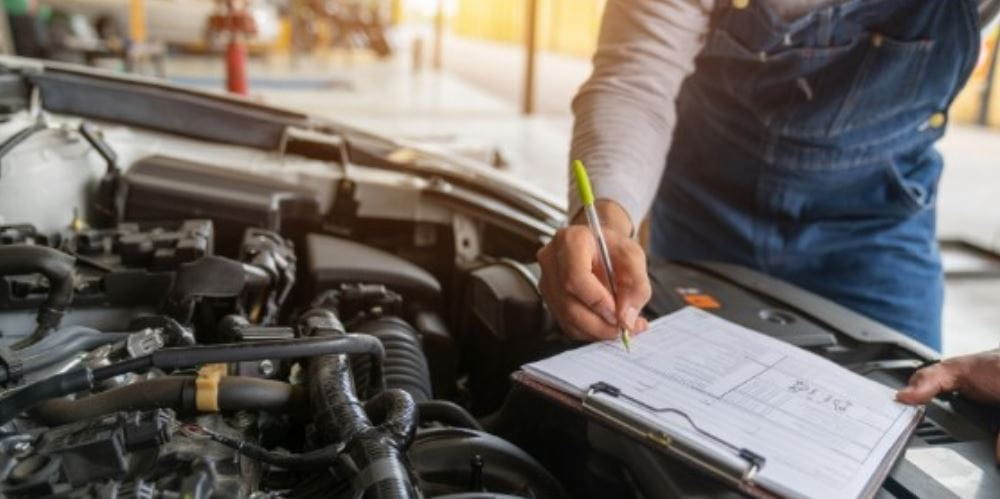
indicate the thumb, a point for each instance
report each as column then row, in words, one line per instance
column 928, row 382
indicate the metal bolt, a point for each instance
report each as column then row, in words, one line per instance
column 21, row 448
column 937, row 120
column 476, row 465
column 242, row 420
column 266, row 368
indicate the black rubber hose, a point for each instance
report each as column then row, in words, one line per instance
column 94, row 138
column 60, row 385
column 183, row 357
column 395, row 414
column 55, row 348
column 145, row 395
column 175, row 392
column 447, row 412
column 22, row 135
column 66, row 342
column 83, row 378
column 307, row 461
column 63, row 344
column 383, row 472
column 339, row 414
column 405, row 363
column 237, row 393
column 340, row 417
column 57, row 267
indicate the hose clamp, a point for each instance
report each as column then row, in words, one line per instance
column 206, row 395
column 380, row 470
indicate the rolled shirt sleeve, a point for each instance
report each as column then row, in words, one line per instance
column 625, row 113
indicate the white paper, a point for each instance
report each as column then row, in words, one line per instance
column 823, row 430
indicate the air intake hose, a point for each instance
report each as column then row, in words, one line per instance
column 405, row 364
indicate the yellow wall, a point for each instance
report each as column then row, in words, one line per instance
column 564, row 26
column 571, row 26
column 397, row 12
column 966, row 106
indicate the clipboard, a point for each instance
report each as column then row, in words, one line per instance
column 743, row 480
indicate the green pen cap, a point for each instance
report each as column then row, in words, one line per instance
column 583, row 183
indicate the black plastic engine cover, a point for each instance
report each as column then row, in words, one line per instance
column 166, row 188
column 120, row 272
column 333, row 261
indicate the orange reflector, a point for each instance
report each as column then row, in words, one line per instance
column 702, row 301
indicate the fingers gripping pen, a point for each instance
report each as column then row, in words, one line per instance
column 587, row 199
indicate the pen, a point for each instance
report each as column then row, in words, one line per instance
column 587, row 198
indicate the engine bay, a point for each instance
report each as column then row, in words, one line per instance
column 196, row 331
column 158, row 367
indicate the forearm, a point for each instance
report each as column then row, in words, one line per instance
column 625, row 155
column 625, row 112
column 613, row 217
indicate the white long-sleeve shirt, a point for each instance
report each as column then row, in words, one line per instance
column 625, row 113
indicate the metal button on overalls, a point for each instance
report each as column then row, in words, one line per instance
column 937, row 120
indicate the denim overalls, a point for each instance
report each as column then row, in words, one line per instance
column 805, row 149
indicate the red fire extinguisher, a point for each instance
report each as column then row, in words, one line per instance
column 233, row 19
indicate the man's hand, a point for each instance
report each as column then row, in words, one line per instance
column 974, row 376
column 575, row 287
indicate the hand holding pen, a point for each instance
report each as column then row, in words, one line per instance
column 576, row 286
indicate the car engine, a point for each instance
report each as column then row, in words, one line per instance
column 259, row 352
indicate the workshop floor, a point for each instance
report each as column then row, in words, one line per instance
column 472, row 108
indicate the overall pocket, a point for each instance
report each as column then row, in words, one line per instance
column 913, row 181
column 814, row 92
column 886, row 83
column 793, row 87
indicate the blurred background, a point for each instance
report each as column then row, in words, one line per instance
column 487, row 79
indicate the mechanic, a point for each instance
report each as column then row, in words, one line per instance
column 976, row 376
column 795, row 137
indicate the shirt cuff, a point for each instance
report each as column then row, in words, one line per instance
column 611, row 188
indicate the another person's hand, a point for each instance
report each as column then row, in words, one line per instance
column 575, row 287
column 975, row 376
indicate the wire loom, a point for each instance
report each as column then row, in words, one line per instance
column 84, row 378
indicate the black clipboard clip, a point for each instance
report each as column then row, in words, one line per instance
column 755, row 462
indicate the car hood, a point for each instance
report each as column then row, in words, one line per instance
column 157, row 105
